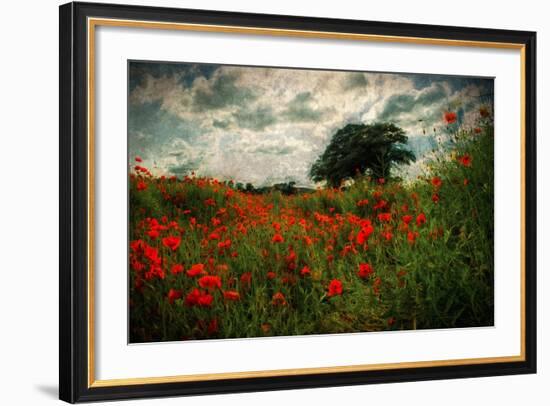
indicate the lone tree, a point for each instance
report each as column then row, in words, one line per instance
column 371, row 149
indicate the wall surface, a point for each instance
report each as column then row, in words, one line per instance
column 29, row 203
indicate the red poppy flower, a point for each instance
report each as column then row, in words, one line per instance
column 407, row 218
column 199, row 298
column 277, row 238
column 224, row 244
column 141, row 185
column 271, row 275
column 196, row 270
column 435, row 198
column 465, row 160
column 205, row 300
column 172, row 242
column 246, row 278
column 214, row 236
column 477, row 130
column 335, row 288
column 154, row 233
column 466, row 181
column 362, row 202
column 174, row 294
column 210, row 202
column 137, row 245
column 364, row 234
column 177, row 268
column 411, row 236
column 436, row 181
column 231, row 295
column 380, row 204
column 305, row 271
column 420, row 219
column 384, row 217
column 210, row 282
column 138, row 159
column 152, row 254
column 278, row 299
column 449, row 117
column 212, row 327
column 387, row 235
column 365, row 270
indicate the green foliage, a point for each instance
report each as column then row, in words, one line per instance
column 357, row 149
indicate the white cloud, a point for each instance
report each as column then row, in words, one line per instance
column 265, row 125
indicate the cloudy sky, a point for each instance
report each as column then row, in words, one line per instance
column 268, row 125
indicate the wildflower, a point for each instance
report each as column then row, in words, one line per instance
column 212, row 327
column 246, row 278
column 173, row 295
column 365, row 270
column 450, row 117
column 231, row 295
column 214, row 236
column 196, row 270
column 153, row 233
column 172, row 242
column 210, row 282
column 177, row 268
column 277, row 238
column 385, row 217
column 138, row 159
column 465, row 160
column 278, row 299
column 334, row 288
column 224, row 244
column 477, row 130
column 411, row 236
column 141, row 185
column 407, row 218
column 364, row 234
column 381, row 204
column 436, row 181
column 271, row 275
column 420, row 219
column 199, row 298
column 152, row 255
column 210, row 202
column 435, row 198
column 305, row 271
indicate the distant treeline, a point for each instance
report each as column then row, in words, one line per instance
column 288, row 188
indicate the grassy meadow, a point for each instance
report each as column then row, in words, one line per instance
column 210, row 260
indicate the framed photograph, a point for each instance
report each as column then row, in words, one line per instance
column 256, row 202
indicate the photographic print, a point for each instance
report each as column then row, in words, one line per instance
column 267, row 201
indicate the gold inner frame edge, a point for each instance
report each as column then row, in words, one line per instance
column 92, row 23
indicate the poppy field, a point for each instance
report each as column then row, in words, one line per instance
column 208, row 259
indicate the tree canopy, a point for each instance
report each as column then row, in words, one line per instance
column 371, row 149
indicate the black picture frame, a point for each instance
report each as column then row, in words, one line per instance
column 74, row 384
